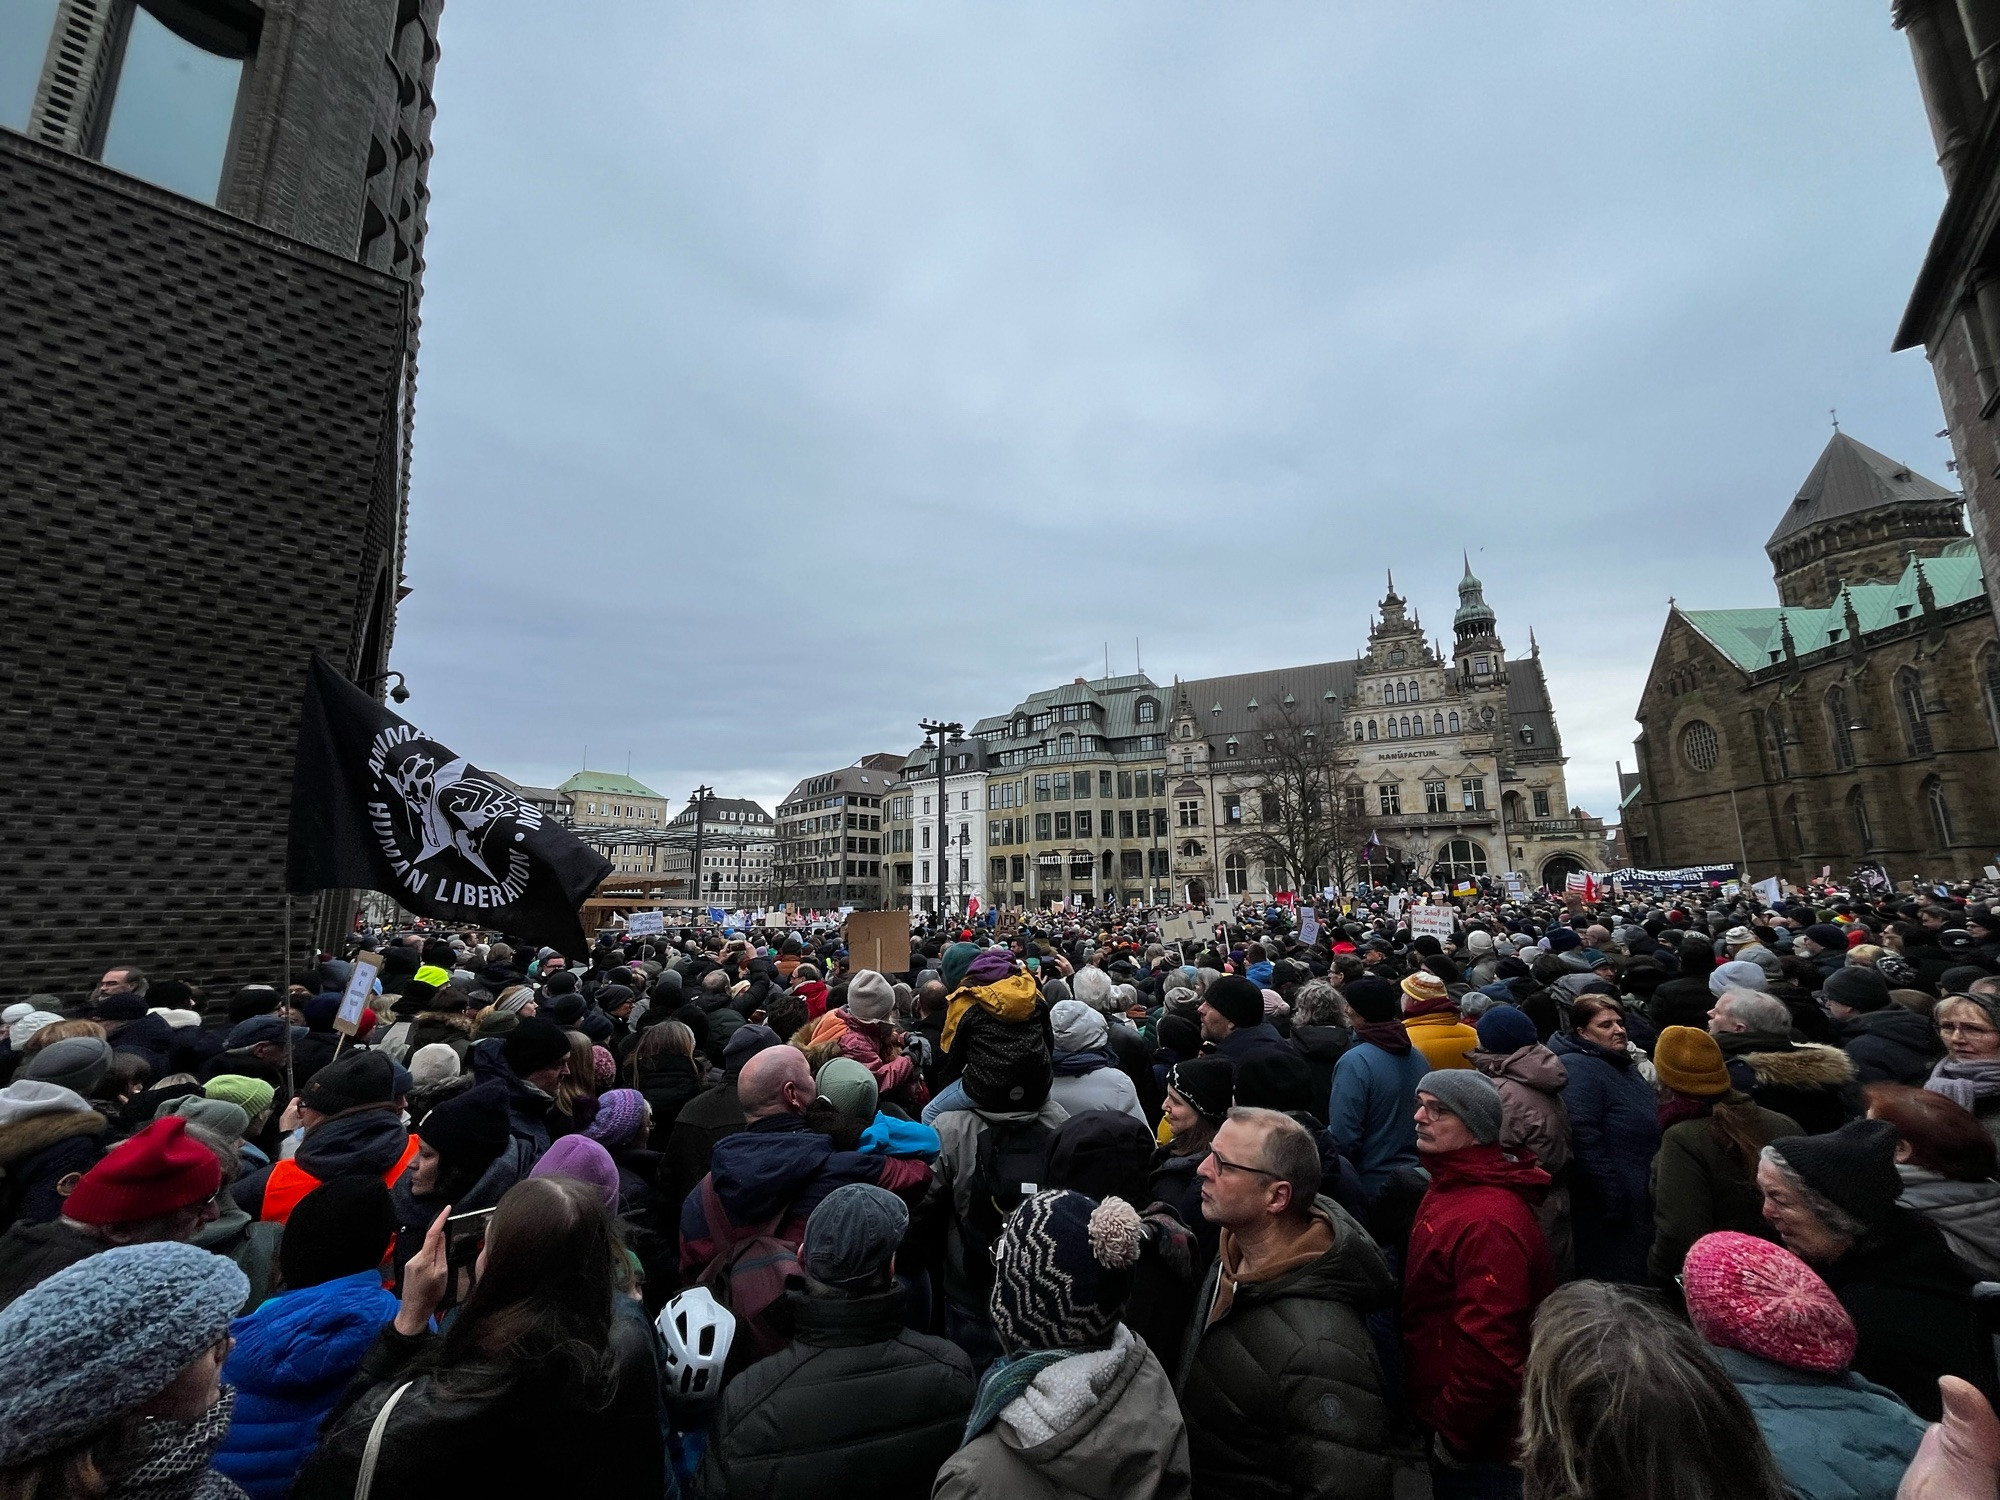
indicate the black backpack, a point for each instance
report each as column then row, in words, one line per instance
column 1007, row 1168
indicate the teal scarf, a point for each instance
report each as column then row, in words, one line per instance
column 1006, row 1379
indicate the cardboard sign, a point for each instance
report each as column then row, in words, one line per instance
column 1181, row 930
column 878, row 940
column 360, row 986
column 1223, row 909
column 1993, row 872
column 1308, row 929
column 1432, row 921
column 646, row 924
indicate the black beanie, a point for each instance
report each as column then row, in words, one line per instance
column 1277, row 1080
column 1858, row 988
column 1236, row 1000
column 1208, row 1083
column 352, row 1082
column 1854, row 1167
column 1371, row 997
column 1101, row 1153
column 533, row 1045
column 562, row 982
column 470, row 1129
column 340, row 1228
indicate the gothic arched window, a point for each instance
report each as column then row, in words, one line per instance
column 1839, row 728
column 1857, row 811
column 1776, row 720
column 1916, row 722
column 1989, row 682
column 1940, row 812
column 1793, row 826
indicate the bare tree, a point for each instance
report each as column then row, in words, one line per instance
column 1304, row 831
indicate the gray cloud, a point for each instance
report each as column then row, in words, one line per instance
column 793, row 371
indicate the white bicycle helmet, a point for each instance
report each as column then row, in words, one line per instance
column 697, row 1331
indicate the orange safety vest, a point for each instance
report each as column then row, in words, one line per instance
column 290, row 1182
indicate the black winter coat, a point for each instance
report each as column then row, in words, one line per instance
column 856, row 1407
column 1912, row 1308
column 1283, row 1395
column 483, row 1428
column 1173, row 1183
column 668, row 1081
column 1321, row 1047
column 1891, row 1045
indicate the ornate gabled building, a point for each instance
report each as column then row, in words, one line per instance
column 1447, row 762
column 1858, row 719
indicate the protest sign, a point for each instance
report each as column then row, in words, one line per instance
column 879, row 940
column 645, row 924
column 1309, row 929
column 360, row 986
column 1432, row 921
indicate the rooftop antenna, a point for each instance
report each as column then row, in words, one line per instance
column 1107, row 661
column 586, row 757
column 1138, row 662
column 628, row 762
column 1834, row 412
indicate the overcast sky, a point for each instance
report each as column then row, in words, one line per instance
column 791, row 372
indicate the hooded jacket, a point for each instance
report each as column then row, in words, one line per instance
column 1011, row 998
column 1282, row 1389
column 780, row 1168
column 293, row 1357
column 1891, row 1045
column 1321, row 1047
column 368, row 1143
column 1087, row 1075
column 1530, row 1081
column 867, row 1042
column 527, row 1106
column 47, row 1132
column 1806, row 1081
column 1966, row 1213
column 1444, row 1040
column 1099, row 1425
column 856, row 1407
column 1614, row 1131
column 1478, row 1267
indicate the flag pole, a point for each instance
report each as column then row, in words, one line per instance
column 285, row 996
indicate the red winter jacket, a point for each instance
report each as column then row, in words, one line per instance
column 865, row 1042
column 1478, row 1268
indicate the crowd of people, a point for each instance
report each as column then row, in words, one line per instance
column 1669, row 1196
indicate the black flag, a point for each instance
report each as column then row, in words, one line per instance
column 376, row 806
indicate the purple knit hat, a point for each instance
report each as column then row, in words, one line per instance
column 582, row 1159
column 603, row 1067
column 621, row 1113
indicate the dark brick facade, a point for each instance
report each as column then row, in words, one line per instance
column 200, row 483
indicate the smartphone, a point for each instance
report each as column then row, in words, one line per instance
column 465, row 1236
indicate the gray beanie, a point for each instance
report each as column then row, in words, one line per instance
column 1469, row 1095
column 869, row 996
column 853, row 1233
column 75, row 1062
column 104, row 1336
column 434, row 1062
column 225, row 1119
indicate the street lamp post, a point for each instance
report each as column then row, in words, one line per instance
column 698, row 797
column 940, row 728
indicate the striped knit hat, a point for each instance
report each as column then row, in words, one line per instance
column 1062, row 1270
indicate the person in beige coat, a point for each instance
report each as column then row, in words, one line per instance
column 1078, row 1408
column 1530, row 1079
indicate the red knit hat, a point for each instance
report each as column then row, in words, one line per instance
column 156, row 1172
column 1749, row 1294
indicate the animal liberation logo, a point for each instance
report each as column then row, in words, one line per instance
column 452, row 833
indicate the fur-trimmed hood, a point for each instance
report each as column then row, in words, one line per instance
column 23, row 1138
column 1808, row 1065
column 458, row 1020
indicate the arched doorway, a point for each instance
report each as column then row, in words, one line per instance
column 1197, row 892
column 1556, row 871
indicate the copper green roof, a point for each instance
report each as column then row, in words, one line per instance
column 1752, row 638
column 607, row 781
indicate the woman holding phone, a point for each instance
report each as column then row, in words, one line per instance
column 546, row 1342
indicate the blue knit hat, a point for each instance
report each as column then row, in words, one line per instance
column 1505, row 1029
column 105, row 1335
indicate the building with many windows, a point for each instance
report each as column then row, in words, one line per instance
column 1443, row 764
column 1856, row 720
column 739, row 850
column 927, row 841
column 621, row 818
column 215, row 224
column 830, row 837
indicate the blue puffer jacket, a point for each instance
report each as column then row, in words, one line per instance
column 1835, row 1437
column 293, row 1358
column 1614, row 1124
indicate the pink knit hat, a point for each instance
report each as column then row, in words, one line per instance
column 603, row 1067
column 1749, row 1294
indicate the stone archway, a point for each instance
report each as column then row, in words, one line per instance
column 1197, row 892
column 1557, row 869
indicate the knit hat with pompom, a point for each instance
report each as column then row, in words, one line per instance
column 1062, row 1271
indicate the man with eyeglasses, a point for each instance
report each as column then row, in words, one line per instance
column 1279, row 1381
column 1478, row 1268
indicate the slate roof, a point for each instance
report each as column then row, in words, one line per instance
column 1308, row 687
column 1116, row 696
column 748, row 813
column 1751, row 638
column 1850, row 478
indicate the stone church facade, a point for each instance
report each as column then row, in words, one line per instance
column 1857, row 720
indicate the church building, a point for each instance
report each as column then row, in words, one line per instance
column 1856, row 720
